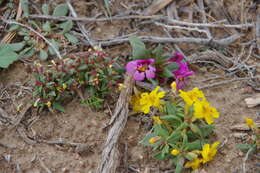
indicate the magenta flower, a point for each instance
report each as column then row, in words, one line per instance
column 181, row 74
column 141, row 69
column 176, row 57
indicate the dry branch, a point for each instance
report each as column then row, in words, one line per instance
column 257, row 29
column 86, row 19
column 192, row 40
column 34, row 31
column 210, row 25
column 110, row 159
column 81, row 27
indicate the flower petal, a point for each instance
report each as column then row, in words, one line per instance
column 131, row 67
column 139, row 76
column 150, row 73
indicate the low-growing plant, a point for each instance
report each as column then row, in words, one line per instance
column 182, row 125
column 91, row 72
column 58, row 34
column 253, row 143
column 153, row 65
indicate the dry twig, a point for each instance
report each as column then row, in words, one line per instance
column 81, row 27
column 109, row 160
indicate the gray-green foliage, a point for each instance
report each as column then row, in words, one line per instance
column 32, row 44
column 7, row 56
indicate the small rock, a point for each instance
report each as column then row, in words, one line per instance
column 82, row 149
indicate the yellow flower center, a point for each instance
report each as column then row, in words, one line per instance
column 143, row 68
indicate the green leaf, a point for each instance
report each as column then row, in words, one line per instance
column 29, row 53
column 66, row 26
column 160, row 130
column 13, row 28
column 45, row 9
column 179, row 165
column 159, row 156
column 206, row 130
column 43, row 55
column 46, row 26
column 25, row 7
column 60, row 10
column 165, row 150
column 167, row 73
column 58, row 107
column 174, row 137
column 173, row 119
column 170, row 108
column 196, row 129
column 55, row 44
column 244, row 146
column 138, row 48
column 196, row 145
column 7, row 56
column 158, row 52
column 17, row 46
column 52, row 93
column 106, row 2
column 172, row 66
column 71, row 38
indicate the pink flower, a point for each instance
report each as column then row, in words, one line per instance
column 181, row 74
column 176, row 57
column 141, row 69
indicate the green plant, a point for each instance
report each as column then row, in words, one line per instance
column 163, row 65
column 181, row 130
column 91, row 72
column 254, row 141
column 58, row 34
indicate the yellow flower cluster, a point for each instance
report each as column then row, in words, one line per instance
column 202, row 108
column 144, row 101
column 208, row 152
column 250, row 123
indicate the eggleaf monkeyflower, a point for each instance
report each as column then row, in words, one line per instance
column 154, row 139
column 152, row 99
column 250, row 122
column 192, row 96
column 175, row 152
column 208, row 152
column 202, row 109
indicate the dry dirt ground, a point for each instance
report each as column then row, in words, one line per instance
column 79, row 124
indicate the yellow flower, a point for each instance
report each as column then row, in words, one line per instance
column 59, row 88
column 202, row 109
column 192, row 96
column 250, row 122
column 175, row 152
column 193, row 164
column 135, row 102
column 208, row 152
column 154, row 139
column 157, row 120
column 121, row 86
column 48, row 104
column 97, row 48
column 64, row 86
column 151, row 99
column 174, row 86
